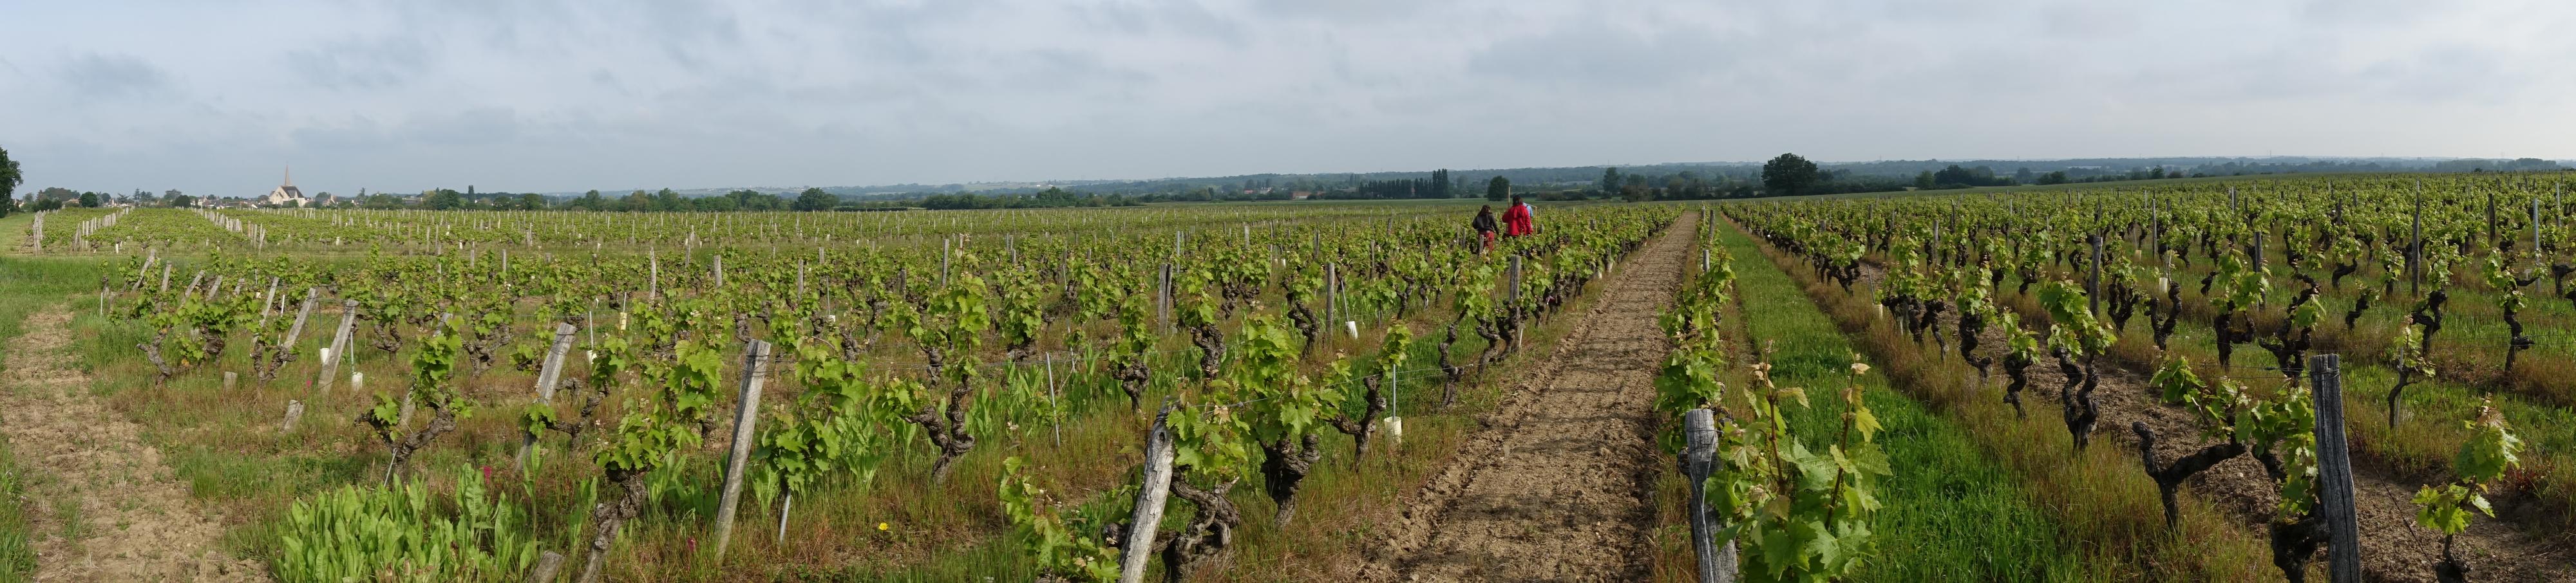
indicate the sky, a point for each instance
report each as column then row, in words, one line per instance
column 217, row 98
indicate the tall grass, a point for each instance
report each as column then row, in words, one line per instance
column 17, row 559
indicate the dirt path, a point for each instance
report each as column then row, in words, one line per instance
column 2393, row 547
column 134, row 522
column 1555, row 487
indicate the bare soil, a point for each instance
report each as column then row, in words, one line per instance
column 1556, row 487
column 136, row 523
column 2394, row 548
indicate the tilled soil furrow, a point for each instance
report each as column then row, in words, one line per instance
column 1555, row 487
column 2394, row 548
column 134, row 521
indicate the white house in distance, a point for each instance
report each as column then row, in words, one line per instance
column 285, row 194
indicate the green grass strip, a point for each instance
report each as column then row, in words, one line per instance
column 1952, row 513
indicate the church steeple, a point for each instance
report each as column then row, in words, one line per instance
column 290, row 175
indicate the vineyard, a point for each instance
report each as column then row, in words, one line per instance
column 2058, row 385
column 461, row 395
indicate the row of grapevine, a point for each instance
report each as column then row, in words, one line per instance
column 883, row 350
column 2214, row 269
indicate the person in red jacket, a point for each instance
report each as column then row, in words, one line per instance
column 1519, row 220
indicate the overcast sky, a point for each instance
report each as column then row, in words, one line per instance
column 537, row 95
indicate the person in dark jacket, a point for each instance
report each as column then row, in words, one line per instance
column 1485, row 225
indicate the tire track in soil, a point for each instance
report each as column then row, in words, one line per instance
column 2394, row 548
column 137, row 523
column 1555, row 488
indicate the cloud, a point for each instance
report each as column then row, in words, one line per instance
column 576, row 94
column 361, row 64
column 111, row 76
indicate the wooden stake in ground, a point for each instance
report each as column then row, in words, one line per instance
column 1715, row 566
column 2334, row 470
column 547, row 376
column 755, row 361
column 1153, row 489
column 339, row 349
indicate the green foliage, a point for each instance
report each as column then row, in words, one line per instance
column 405, row 533
column 2075, row 328
column 1058, row 544
column 2491, row 450
column 1800, row 515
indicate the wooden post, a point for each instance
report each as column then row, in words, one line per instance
column 1715, row 565
column 1516, row 302
column 294, row 411
column 547, row 375
column 2093, row 280
column 1153, row 489
column 755, row 358
column 1330, row 299
column 339, row 349
column 2334, row 464
column 296, row 330
column 231, row 379
column 1163, row 299
column 1054, row 414
column 547, row 564
column 2415, row 250
column 653, row 284
column 944, row 253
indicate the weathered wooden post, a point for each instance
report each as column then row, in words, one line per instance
column 547, row 564
column 1516, row 302
column 755, row 359
column 547, row 376
column 338, row 349
column 2093, row 280
column 2415, row 250
column 2334, row 465
column 1163, row 299
column 1153, row 489
column 294, row 411
column 1715, row 565
column 296, row 330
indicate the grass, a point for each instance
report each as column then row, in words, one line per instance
column 17, row 557
column 2100, row 499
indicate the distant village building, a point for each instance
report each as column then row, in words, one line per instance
column 285, row 194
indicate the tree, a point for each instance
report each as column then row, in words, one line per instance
column 636, row 202
column 182, row 201
column 814, row 199
column 591, row 201
column 669, row 201
column 89, row 200
column 1498, row 189
column 1789, row 174
column 1610, row 180
column 10, row 177
column 1440, row 184
column 532, row 201
column 442, row 199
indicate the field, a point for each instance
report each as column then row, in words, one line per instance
column 2069, row 384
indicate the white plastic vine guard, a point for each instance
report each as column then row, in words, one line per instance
column 1395, row 430
column 326, row 353
column 357, row 381
column 1354, row 325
